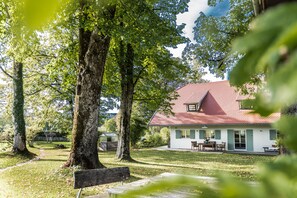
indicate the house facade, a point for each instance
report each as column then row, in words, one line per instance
column 216, row 112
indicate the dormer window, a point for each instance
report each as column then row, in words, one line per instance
column 247, row 104
column 193, row 103
column 193, row 107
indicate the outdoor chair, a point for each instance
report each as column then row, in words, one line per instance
column 221, row 146
column 194, row 144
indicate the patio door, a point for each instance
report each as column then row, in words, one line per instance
column 240, row 139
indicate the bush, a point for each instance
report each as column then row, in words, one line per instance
column 165, row 133
column 153, row 140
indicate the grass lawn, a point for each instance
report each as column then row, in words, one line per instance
column 45, row 178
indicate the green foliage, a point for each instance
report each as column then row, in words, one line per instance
column 150, row 27
column 138, row 123
column 37, row 13
column 153, row 140
column 210, row 31
column 165, row 134
column 270, row 50
column 110, row 125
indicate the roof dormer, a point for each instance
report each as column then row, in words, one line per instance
column 193, row 103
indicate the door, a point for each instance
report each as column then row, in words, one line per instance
column 250, row 140
column 240, row 139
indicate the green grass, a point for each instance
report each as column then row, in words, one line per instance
column 4, row 146
column 46, row 178
column 50, row 145
column 8, row 159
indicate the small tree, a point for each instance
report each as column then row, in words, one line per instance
column 110, row 125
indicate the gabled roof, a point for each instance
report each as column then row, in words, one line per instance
column 219, row 106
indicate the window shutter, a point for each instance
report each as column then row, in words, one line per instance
column 217, row 134
column 192, row 134
column 272, row 134
column 202, row 134
column 230, row 139
column 178, row 134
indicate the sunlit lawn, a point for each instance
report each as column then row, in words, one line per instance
column 45, row 178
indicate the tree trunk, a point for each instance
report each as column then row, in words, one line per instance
column 19, row 141
column 127, row 88
column 92, row 56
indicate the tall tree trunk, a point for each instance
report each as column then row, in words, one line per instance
column 262, row 5
column 92, row 57
column 19, row 141
column 127, row 88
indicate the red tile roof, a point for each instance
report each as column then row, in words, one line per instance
column 220, row 106
column 196, row 97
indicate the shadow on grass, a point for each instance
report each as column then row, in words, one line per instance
column 133, row 178
column 11, row 154
column 53, row 160
column 131, row 162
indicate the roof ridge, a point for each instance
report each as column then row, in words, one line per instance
column 221, row 81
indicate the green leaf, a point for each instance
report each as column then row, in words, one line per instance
column 253, row 41
column 245, row 68
column 288, row 125
column 276, row 17
column 282, row 45
column 262, row 105
column 283, row 83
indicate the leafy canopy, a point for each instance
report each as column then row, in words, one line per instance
column 213, row 36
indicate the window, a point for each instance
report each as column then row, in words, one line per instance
column 210, row 134
column 272, row 134
column 240, row 139
column 202, row 134
column 246, row 104
column 192, row 107
column 217, row 134
column 185, row 133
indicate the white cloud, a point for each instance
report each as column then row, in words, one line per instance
column 189, row 18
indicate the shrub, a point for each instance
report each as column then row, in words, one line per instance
column 153, row 140
column 165, row 133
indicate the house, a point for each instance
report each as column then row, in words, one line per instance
column 218, row 113
column 108, row 141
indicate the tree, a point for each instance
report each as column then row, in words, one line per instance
column 11, row 37
column 138, row 123
column 19, row 20
column 210, row 31
column 135, row 44
column 93, row 48
column 110, row 125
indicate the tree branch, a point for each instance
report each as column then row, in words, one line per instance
column 138, row 76
column 6, row 73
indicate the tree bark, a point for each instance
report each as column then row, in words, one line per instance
column 19, row 141
column 127, row 88
column 92, row 57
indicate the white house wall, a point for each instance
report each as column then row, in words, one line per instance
column 261, row 138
